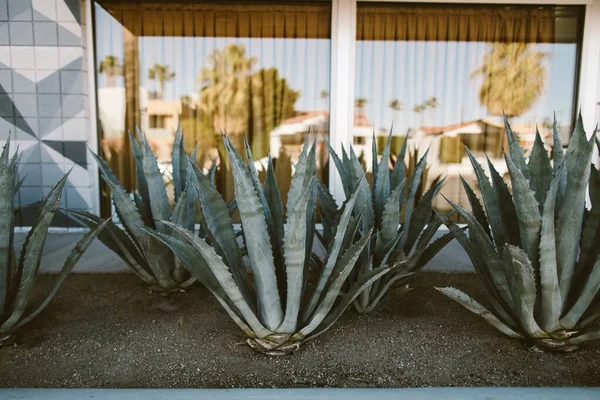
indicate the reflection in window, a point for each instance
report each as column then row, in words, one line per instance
column 259, row 69
column 449, row 72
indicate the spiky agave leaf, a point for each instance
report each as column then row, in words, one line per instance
column 23, row 272
column 392, row 208
column 555, row 309
column 8, row 183
column 202, row 260
column 258, row 244
column 150, row 259
column 570, row 214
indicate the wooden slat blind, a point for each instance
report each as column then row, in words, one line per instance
column 307, row 20
column 483, row 23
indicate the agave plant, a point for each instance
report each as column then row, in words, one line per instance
column 536, row 251
column 18, row 273
column 149, row 258
column 275, row 305
column 402, row 226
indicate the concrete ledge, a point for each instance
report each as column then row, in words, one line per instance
column 314, row 394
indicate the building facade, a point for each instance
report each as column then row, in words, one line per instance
column 76, row 75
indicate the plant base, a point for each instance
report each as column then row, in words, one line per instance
column 274, row 345
column 6, row 339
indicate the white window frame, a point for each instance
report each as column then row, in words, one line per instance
column 343, row 50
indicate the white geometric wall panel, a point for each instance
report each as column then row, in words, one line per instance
column 43, row 99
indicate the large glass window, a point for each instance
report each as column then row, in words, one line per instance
column 256, row 68
column 449, row 72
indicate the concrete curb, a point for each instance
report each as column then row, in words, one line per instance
column 315, row 394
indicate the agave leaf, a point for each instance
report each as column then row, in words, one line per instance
column 142, row 184
column 357, row 288
column 234, row 316
column 220, row 271
column 294, row 250
column 333, row 255
column 435, row 247
column 258, row 186
column 515, row 151
column 551, row 303
column 487, row 256
column 159, row 259
column 591, row 224
column 129, row 215
column 570, row 214
column 421, row 215
column 180, row 163
column 521, row 278
column 365, row 198
column 374, row 157
column 338, row 276
column 399, row 172
column 159, row 202
column 484, row 274
column 275, row 204
column 382, row 179
column 410, row 200
column 330, row 215
column 472, row 305
column 339, row 165
column 507, row 206
column 258, row 244
column 587, row 295
column 586, row 337
column 476, row 207
column 4, row 155
column 393, row 280
column 219, row 226
column 7, row 194
column 391, row 214
column 180, row 216
column 302, row 180
column 528, row 214
column 32, row 252
column 490, row 201
column 120, row 243
column 540, row 168
column 145, row 212
column 67, row 267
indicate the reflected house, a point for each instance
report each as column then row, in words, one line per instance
column 485, row 136
column 159, row 119
column 291, row 132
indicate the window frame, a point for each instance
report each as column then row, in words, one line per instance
column 343, row 51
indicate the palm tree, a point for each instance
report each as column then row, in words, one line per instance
column 432, row 103
column 420, row 109
column 160, row 73
column 514, row 77
column 111, row 67
column 396, row 106
column 225, row 88
column 324, row 95
column 360, row 103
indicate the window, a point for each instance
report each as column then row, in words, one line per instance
column 256, row 68
column 449, row 72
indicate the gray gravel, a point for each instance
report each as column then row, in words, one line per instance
column 108, row 331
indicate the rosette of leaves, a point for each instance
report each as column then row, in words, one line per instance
column 150, row 259
column 536, row 250
column 403, row 227
column 270, row 297
column 18, row 273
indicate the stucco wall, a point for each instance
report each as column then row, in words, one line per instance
column 43, row 98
